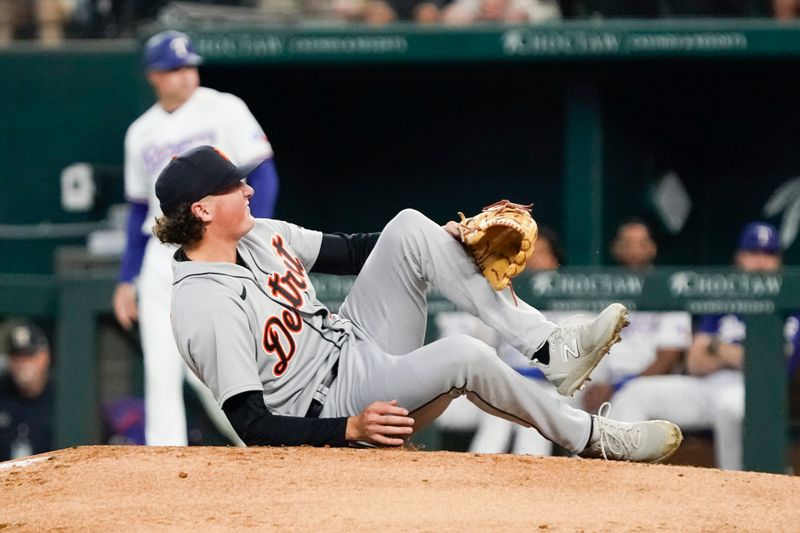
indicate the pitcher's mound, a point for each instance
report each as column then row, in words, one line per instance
column 106, row 488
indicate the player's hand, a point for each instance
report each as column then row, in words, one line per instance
column 596, row 395
column 125, row 309
column 452, row 229
column 382, row 423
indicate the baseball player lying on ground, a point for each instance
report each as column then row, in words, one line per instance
column 286, row 371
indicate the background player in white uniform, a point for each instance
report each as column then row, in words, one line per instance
column 186, row 115
column 655, row 343
column 712, row 397
column 287, row 371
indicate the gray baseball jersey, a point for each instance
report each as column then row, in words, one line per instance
column 260, row 327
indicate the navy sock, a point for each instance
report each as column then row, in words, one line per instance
column 543, row 354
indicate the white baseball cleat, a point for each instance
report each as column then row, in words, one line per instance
column 577, row 348
column 646, row 442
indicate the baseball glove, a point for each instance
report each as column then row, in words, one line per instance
column 501, row 239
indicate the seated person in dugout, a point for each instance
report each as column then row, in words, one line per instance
column 287, row 371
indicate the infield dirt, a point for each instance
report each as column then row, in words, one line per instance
column 115, row 488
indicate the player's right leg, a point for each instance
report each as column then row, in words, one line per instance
column 427, row 379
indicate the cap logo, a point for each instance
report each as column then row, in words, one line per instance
column 222, row 154
column 22, row 336
column 180, row 46
column 763, row 235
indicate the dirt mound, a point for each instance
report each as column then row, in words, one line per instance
column 143, row 488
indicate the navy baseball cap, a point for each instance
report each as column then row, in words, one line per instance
column 170, row 50
column 195, row 174
column 24, row 338
column 760, row 237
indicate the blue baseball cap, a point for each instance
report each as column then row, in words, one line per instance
column 760, row 237
column 170, row 50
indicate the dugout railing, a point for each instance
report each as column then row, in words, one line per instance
column 76, row 302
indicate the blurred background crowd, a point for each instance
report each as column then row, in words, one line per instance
column 54, row 20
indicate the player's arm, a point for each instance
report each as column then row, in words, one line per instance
column 707, row 354
column 382, row 423
column 256, row 426
column 666, row 360
column 124, row 300
column 344, row 254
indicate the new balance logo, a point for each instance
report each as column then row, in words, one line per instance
column 570, row 348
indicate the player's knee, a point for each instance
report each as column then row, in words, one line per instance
column 406, row 220
column 409, row 215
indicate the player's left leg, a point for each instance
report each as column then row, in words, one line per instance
column 388, row 299
column 413, row 254
column 165, row 415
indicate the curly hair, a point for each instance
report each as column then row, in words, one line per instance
column 181, row 227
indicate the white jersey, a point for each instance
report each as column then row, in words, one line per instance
column 208, row 117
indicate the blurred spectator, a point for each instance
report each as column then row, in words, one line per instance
column 653, row 343
column 494, row 434
column 463, row 12
column 386, row 11
column 664, row 8
column 785, row 9
column 712, row 397
column 44, row 19
column 108, row 19
column 26, row 392
column 633, row 246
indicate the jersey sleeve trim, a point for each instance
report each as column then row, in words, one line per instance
column 233, row 391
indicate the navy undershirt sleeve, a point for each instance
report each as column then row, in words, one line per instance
column 135, row 242
column 344, row 254
column 256, row 426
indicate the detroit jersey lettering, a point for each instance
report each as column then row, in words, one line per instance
column 263, row 317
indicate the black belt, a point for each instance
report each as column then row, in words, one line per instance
column 316, row 405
